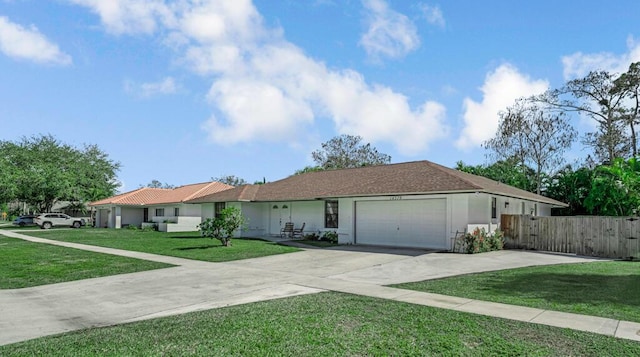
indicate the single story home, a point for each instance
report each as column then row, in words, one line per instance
column 165, row 208
column 413, row 204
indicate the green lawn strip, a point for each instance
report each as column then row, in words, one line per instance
column 606, row 289
column 26, row 264
column 188, row 245
column 326, row 324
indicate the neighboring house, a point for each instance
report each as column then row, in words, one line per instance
column 413, row 204
column 164, row 207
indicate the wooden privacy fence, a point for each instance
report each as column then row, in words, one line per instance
column 607, row 237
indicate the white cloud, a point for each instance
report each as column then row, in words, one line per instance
column 433, row 15
column 264, row 88
column 390, row 34
column 500, row 89
column 579, row 64
column 29, row 44
column 129, row 16
column 146, row 90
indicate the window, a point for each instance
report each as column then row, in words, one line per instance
column 494, row 207
column 219, row 206
column 331, row 214
column 159, row 212
column 176, row 211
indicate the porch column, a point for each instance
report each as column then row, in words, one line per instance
column 118, row 213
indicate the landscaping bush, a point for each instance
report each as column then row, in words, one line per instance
column 311, row 236
column 479, row 241
column 330, row 236
column 223, row 226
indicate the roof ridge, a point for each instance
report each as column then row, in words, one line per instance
column 453, row 172
column 193, row 195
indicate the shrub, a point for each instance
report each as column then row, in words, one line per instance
column 479, row 241
column 223, row 226
column 311, row 236
column 330, row 236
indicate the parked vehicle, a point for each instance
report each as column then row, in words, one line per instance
column 48, row 220
column 26, row 220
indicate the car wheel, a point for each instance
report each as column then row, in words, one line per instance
column 46, row 225
column 21, row 224
column 76, row 224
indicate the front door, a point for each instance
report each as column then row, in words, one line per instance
column 280, row 214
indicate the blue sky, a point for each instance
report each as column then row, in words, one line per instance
column 183, row 91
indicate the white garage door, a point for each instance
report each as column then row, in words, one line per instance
column 402, row 223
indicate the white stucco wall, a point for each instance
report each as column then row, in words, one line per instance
column 131, row 216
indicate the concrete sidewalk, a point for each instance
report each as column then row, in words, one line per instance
column 195, row 285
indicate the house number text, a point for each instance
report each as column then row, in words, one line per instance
column 395, row 198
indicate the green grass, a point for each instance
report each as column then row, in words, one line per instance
column 606, row 289
column 25, row 264
column 188, row 245
column 326, row 324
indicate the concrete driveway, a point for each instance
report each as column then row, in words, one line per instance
column 194, row 285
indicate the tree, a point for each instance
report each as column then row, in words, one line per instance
column 510, row 171
column 345, row 151
column 604, row 98
column 232, row 180
column 534, row 136
column 615, row 189
column 629, row 84
column 157, row 184
column 223, row 226
column 308, row 169
column 571, row 187
column 45, row 171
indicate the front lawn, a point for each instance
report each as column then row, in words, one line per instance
column 25, row 264
column 606, row 289
column 326, row 324
column 188, row 245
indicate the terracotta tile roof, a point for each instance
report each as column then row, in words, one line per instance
column 418, row 177
column 154, row 196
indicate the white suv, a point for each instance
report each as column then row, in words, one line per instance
column 48, row 220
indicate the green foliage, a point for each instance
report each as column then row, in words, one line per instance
column 223, row 226
column 345, row 151
column 615, row 189
column 41, row 171
column 231, row 180
column 157, row 184
column 330, row 236
column 308, row 169
column 510, row 172
column 479, row 241
column 571, row 187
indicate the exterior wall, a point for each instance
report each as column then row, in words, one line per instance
column 131, row 216
column 190, row 210
column 457, row 213
column 207, row 210
column 462, row 210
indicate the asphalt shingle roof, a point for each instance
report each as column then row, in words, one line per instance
column 418, row 177
column 154, row 196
